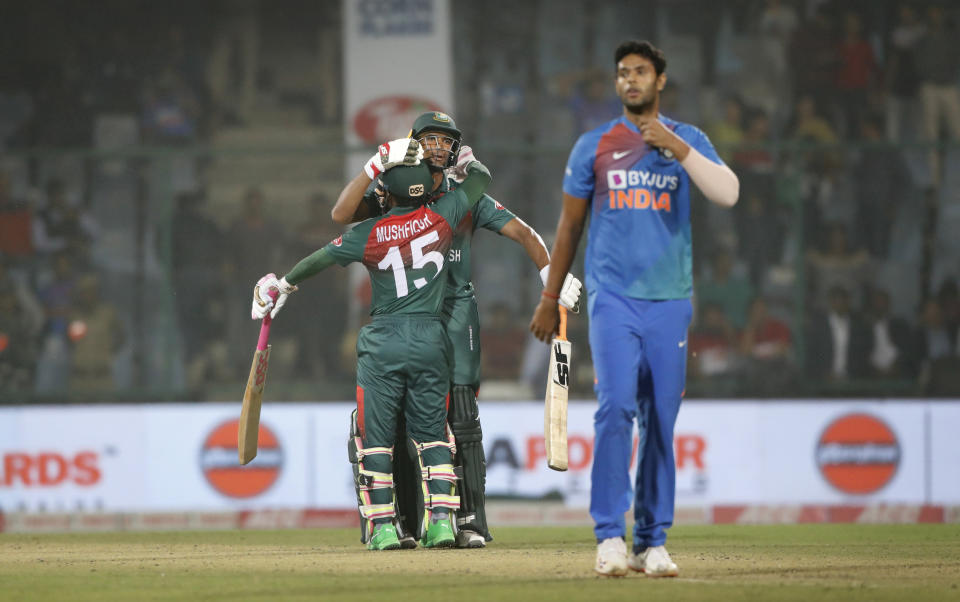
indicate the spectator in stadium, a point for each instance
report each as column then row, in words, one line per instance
column 838, row 341
column 19, row 340
column 777, row 23
column 16, row 222
column 892, row 353
column 813, row 57
column 198, row 255
column 937, row 352
column 30, row 310
column 809, row 124
column 937, row 65
column 170, row 110
column 766, row 347
column 502, row 340
column 948, row 296
column 724, row 287
column 856, row 73
column 56, row 297
column 901, row 79
column 834, row 264
column 63, row 225
column 712, row 344
column 245, row 262
column 760, row 231
column 754, row 156
column 317, row 357
column 727, row 133
column 883, row 185
column 96, row 334
column 588, row 97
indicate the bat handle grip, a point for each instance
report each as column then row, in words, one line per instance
column 562, row 332
column 265, row 325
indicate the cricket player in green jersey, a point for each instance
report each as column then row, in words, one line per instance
column 447, row 158
column 403, row 355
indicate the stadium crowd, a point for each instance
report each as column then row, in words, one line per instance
column 835, row 274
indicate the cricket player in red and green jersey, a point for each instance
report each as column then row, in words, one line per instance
column 403, row 355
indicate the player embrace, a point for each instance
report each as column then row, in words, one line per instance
column 632, row 175
column 403, row 355
column 448, row 160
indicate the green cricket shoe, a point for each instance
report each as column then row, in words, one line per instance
column 440, row 535
column 384, row 538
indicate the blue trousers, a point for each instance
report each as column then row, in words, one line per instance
column 640, row 360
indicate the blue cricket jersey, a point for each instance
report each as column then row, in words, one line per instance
column 639, row 239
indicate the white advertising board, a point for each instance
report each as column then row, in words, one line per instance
column 156, row 457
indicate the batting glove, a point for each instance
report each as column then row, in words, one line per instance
column 459, row 171
column 402, row 151
column 263, row 303
column 569, row 292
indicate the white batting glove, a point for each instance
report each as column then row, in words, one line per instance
column 569, row 292
column 459, row 171
column 402, row 151
column 263, row 303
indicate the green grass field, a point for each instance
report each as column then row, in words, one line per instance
column 797, row 562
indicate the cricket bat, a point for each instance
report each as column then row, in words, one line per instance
column 249, row 431
column 555, row 404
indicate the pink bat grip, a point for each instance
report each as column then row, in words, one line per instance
column 265, row 326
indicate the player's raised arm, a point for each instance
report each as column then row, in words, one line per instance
column 349, row 208
column 569, row 229
column 309, row 266
column 476, row 182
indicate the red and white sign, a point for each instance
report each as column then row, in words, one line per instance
column 221, row 466
column 858, row 453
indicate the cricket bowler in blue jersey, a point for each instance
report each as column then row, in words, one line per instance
column 632, row 176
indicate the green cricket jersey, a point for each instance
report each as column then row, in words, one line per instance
column 487, row 213
column 404, row 250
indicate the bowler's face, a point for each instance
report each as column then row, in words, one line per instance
column 637, row 82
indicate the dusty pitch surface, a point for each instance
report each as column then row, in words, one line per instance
column 798, row 562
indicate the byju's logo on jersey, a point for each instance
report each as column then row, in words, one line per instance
column 638, row 189
column 621, row 179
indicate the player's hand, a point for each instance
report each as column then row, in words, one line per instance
column 263, row 303
column 402, row 151
column 655, row 134
column 570, row 293
column 459, row 171
column 546, row 319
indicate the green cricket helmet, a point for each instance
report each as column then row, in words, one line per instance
column 410, row 185
column 448, row 137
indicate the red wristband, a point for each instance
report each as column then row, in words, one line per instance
column 550, row 296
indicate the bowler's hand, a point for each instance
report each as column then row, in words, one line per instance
column 655, row 134
column 546, row 319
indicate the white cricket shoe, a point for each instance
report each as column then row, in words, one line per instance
column 470, row 539
column 611, row 557
column 654, row 562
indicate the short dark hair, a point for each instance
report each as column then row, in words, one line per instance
column 643, row 48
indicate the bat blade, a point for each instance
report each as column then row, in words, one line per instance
column 249, row 431
column 555, row 403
